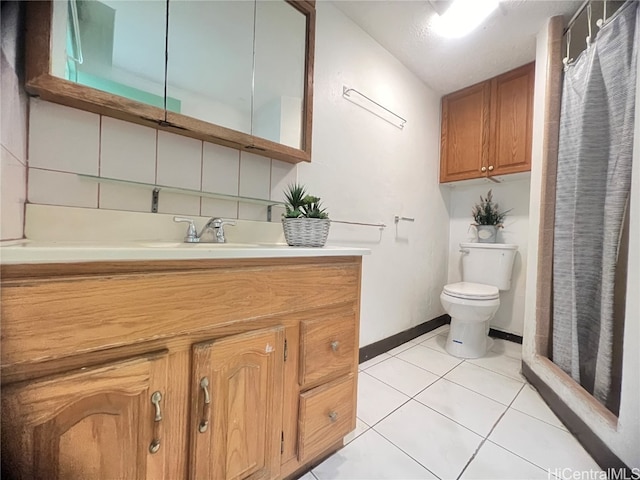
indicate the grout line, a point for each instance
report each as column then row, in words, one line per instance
column 406, row 453
column 485, row 439
column 156, row 160
column 99, row 156
column 499, row 373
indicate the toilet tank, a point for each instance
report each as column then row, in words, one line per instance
column 488, row 263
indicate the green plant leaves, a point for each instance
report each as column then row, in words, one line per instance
column 299, row 204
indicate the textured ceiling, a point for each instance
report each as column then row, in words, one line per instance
column 505, row 40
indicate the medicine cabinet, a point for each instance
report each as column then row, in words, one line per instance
column 235, row 73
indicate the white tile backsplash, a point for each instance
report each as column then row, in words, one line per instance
column 178, row 204
column 13, row 190
column 66, row 140
column 220, row 169
column 127, row 151
column 63, row 138
column 59, row 188
column 219, row 208
column 125, row 197
column 255, row 176
column 282, row 175
column 179, row 161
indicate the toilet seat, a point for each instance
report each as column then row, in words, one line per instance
column 471, row 291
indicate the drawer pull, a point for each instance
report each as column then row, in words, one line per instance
column 335, row 345
column 156, row 397
column 204, row 422
column 333, row 416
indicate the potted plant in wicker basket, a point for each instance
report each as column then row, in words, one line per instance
column 488, row 219
column 305, row 222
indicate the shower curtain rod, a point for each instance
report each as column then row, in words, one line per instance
column 575, row 16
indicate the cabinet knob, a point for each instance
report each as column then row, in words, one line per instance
column 491, row 168
column 483, row 169
column 333, row 416
column 335, row 345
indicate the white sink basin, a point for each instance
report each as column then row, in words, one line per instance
column 195, row 245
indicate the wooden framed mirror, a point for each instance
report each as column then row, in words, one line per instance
column 238, row 74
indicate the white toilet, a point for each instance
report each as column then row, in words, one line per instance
column 472, row 303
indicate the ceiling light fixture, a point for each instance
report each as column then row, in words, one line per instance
column 463, row 16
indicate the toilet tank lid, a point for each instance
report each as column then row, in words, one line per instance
column 472, row 291
column 503, row 246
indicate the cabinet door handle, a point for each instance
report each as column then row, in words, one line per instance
column 154, row 446
column 491, row 168
column 333, row 416
column 483, row 169
column 335, row 345
column 204, row 422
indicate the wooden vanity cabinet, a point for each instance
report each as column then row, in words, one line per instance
column 213, row 369
column 487, row 128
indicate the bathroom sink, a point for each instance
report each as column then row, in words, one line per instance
column 195, row 245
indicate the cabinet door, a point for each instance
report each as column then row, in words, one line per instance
column 511, row 121
column 99, row 423
column 465, row 133
column 237, row 406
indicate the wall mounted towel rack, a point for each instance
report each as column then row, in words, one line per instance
column 389, row 116
column 381, row 226
column 398, row 218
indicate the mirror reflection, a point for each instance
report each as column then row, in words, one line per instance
column 279, row 73
column 237, row 64
column 113, row 46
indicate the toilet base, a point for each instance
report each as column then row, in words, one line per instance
column 468, row 339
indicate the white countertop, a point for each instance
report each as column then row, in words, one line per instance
column 27, row 251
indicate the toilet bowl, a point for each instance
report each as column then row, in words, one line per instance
column 472, row 303
column 471, row 307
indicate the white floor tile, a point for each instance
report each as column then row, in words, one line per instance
column 402, row 376
column 429, row 359
column 361, row 427
column 542, row 444
column 505, row 347
column 493, row 385
column 376, row 400
column 530, row 402
column 440, row 444
column 370, row 457
column 401, row 348
column 501, row 364
column 437, row 343
column 307, row 476
column 470, row 409
column 373, row 361
column 497, row 463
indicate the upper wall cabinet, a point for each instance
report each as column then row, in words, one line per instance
column 235, row 73
column 487, row 128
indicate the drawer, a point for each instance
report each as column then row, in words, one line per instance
column 327, row 413
column 327, row 348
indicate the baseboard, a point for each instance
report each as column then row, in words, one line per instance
column 511, row 337
column 386, row 344
column 600, row 452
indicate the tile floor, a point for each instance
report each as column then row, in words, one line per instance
column 425, row 414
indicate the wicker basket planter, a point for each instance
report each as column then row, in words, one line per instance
column 306, row 232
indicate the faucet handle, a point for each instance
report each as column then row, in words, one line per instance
column 192, row 233
column 219, row 222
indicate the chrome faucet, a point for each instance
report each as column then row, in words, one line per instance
column 214, row 223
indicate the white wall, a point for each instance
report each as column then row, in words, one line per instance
column 623, row 439
column 368, row 170
column 365, row 170
column 512, row 195
column 13, row 130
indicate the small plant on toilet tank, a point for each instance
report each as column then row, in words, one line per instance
column 487, row 218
